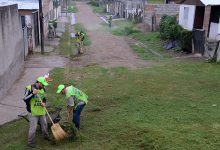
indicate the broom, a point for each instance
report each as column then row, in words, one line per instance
column 57, row 131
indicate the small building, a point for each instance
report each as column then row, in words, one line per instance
column 203, row 18
column 28, row 12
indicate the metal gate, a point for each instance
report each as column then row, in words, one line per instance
column 199, row 40
column 36, row 28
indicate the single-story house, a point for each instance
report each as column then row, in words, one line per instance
column 203, row 18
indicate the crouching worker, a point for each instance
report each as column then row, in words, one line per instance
column 35, row 102
column 76, row 101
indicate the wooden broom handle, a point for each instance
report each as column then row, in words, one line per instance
column 46, row 110
column 49, row 115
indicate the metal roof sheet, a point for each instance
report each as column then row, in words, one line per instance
column 210, row 2
column 22, row 4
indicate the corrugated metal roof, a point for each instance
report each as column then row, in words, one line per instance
column 210, row 2
column 22, row 4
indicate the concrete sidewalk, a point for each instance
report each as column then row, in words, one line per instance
column 36, row 65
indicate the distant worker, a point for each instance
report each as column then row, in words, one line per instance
column 76, row 101
column 80, row 36
column 35, row 102
column 110, row 21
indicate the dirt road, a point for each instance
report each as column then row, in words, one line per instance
column 106, row 49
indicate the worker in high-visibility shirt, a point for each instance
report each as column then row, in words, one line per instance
column 76, row 101
column 35, row 102
column 80, row 36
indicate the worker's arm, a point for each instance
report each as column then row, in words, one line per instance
column 70, row 105
column 28, row 95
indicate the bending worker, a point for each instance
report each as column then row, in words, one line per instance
column 35, row 102
column 76, row 101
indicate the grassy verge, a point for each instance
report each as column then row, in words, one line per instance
column 97, row 9
column 72, row 9
column 151, row 40
column 155, row 1
column 174, row 106
column 80, row 27
column 66, row 43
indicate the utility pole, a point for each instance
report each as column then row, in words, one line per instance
column 41, row 26
column 66, row 8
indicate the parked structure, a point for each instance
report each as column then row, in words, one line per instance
column 11, row 46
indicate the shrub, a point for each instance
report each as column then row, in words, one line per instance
column 172, row 31
column 186, row 40
column 94, row 2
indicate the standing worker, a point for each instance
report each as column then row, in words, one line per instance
column 35, row 101
column 76, row 101
column 110, row 21
column 80, row 36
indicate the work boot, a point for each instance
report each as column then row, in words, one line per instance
column 47, row 138
column 32, row 145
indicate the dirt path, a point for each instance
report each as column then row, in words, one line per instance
column 106, row 49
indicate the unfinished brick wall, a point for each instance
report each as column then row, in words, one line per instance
column 153, row 13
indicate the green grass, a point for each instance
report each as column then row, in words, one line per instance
column 80, row 27
column 123, row 28
column 66, row 46
column 155, row 1
column 168, row 106
column 99, row 10
column 72, row 9
column 151, row 40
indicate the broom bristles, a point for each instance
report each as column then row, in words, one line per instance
column 58, row 132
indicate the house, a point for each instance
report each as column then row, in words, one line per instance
column 28, row 12
column 202, row 17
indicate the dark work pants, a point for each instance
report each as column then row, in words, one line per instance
column 76, row 115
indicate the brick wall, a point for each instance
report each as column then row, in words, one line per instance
column 156, row 11
column 206, row 19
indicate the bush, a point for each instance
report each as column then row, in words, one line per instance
column 186, row 40
column 172, row 31
column 94, row 2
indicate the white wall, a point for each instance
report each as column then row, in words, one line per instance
column 11, row 47
column 187, row 16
